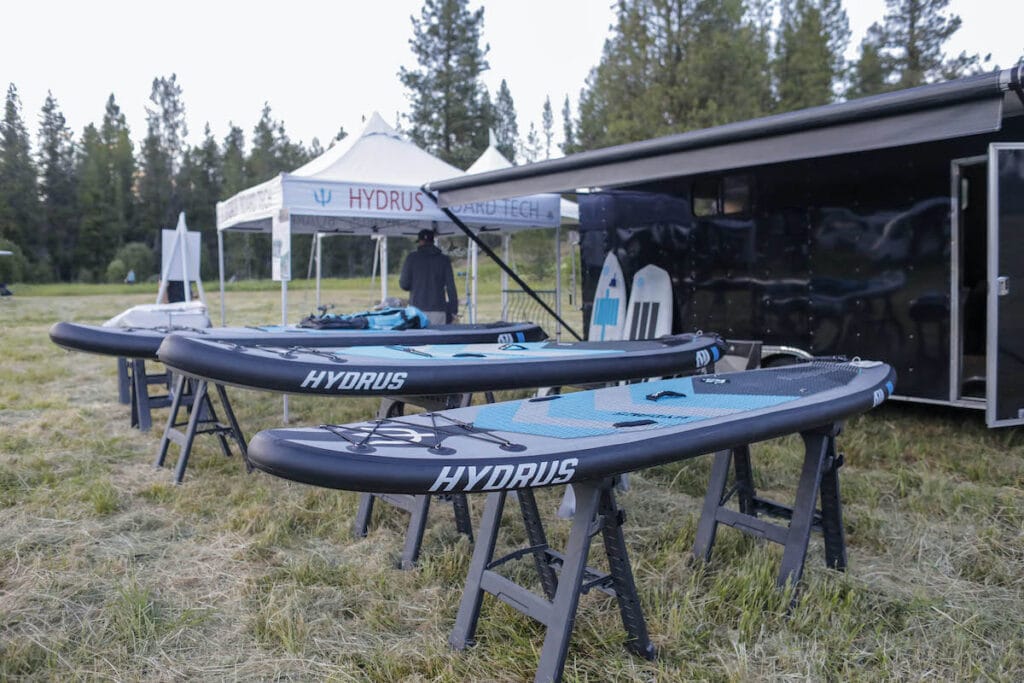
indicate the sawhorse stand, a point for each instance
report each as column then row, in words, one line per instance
column 202, row 419
column 596, row 511
column 819, row 476
column 417, row 506
column 138, row 380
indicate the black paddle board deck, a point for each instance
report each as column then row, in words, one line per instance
column 585, row 435
column 128, row 342
column 409, row 370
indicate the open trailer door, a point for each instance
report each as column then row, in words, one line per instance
column 1005, row 371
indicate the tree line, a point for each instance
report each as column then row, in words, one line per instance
column 90, row 207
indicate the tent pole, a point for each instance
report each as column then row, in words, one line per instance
column 182, row 241
column 220, row 273
column 506, row 244
column 501, row 264
column 383, row 268
column 476, row 273
column 319, row 252
column 558, row 281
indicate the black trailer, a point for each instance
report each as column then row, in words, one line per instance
column 889, row 227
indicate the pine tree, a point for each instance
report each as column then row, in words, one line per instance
column 531, row 148
column 448, row 116
column 506, row 128
column 98, row 236
column 272, row 151
column 20, row 213
column 120, row 167
column 911, row 38
column 200, row 185
column 870, row 73
column 233, row 178
column 568, row 131
column 163, row 150
column 675, row 65
column 506, row 125
column 547, row 119
column 58, row 189
column 809, row 63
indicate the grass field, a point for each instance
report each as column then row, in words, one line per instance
column 110, row 572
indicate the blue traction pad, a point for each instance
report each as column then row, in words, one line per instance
column 638, row 407
column 471, row 352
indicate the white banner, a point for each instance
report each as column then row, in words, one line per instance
column 391, row 202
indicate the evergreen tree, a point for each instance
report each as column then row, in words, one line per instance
column 233, row 179
column 448, row 116
column 809, row 63
column 262, row 163
column 120, row 180
column 870, row 73
column 272, row 151
column 506, row 128
column 163, row 150
column 568, row 132
column 675, row 65
column 200, row 184
column 531, row 148
column 547, row 119
column 910, row 39
column 20, row 213
column 58, row 189
column 98, row 236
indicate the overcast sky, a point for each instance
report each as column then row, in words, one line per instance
column 326, row 64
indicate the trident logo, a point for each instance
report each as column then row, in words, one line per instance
column 322, row 197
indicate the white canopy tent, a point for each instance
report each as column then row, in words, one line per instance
column 369, row 184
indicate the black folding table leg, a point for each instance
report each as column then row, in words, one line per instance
column 199, row 397
column 414, row 536
column 463, row 522
column 364, row 513
column 612, row 519
column 473, row 594
column 707, row 526
column 744, row 479
column 538, row 539
column 172, row 418
column 124, row 392
column 141, row 415
column 235, row 428
column 816, row 450
column 567, row 596
column 832, row 511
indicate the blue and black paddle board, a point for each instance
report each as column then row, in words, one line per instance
column 143, row 343
column 578, row 436
column 434, row 369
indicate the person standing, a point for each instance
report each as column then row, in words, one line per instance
column 427, row 276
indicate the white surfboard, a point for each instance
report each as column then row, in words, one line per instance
column 608, row 319
column 649, row 313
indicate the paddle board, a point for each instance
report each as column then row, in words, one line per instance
column 433, row 369
column 608, row 319
column 580, row 436
column 649, row 313
column 144, row 342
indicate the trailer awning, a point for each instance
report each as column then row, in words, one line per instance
column 954, row 109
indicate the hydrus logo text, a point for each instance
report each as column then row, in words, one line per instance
column 327, row 380
column 493, row 477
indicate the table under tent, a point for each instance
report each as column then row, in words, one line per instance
column 368, row 185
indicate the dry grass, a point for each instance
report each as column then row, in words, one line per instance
column 107, row 571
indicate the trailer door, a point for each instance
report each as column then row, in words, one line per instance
column 1005, row 339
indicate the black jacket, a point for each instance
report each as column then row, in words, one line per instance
column 427, row 276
